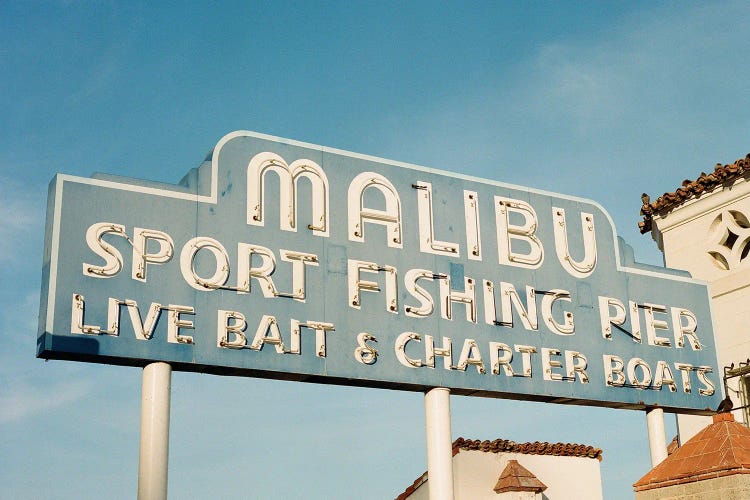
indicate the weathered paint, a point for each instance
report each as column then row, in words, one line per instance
column 361, row 272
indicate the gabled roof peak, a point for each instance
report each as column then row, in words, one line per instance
column 516, row 477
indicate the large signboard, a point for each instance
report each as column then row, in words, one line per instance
column 287, row 260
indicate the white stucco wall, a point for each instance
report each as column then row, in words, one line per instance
column 421, row 493
column 475, row 474
column 519, row 495
column 686, row 236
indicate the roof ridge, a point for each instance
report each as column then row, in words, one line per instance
column 529, row 448
column 721, row 175
column 413, row 487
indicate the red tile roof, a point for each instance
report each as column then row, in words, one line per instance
column 507, row 446
column 721, row 449
column 722, row 175
column 516, row 477
column 413, row 487
column 535, row 448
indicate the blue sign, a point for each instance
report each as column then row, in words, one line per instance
column 287, row 260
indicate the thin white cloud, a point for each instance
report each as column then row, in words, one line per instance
column 19, row 320
column 30, row 307
column 18, row 401
column 646, row 72
column 638, row 106
column 99, row 76
column 20, row 219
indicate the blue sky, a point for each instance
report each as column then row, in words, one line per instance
column 598, row 100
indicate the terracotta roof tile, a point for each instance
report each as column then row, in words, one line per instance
column 722, row 175
column 516, row 477
column 535, row 448
column 413, row 487
column 722, row 448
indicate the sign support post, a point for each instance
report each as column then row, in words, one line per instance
column 154, row 450
column 657, row 437
column 439, row 445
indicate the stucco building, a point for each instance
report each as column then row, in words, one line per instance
column 502, row 469
column 704, row 227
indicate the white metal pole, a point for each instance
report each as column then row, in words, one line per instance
column 657, row 436
column 439, row 445
column 154, row 454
